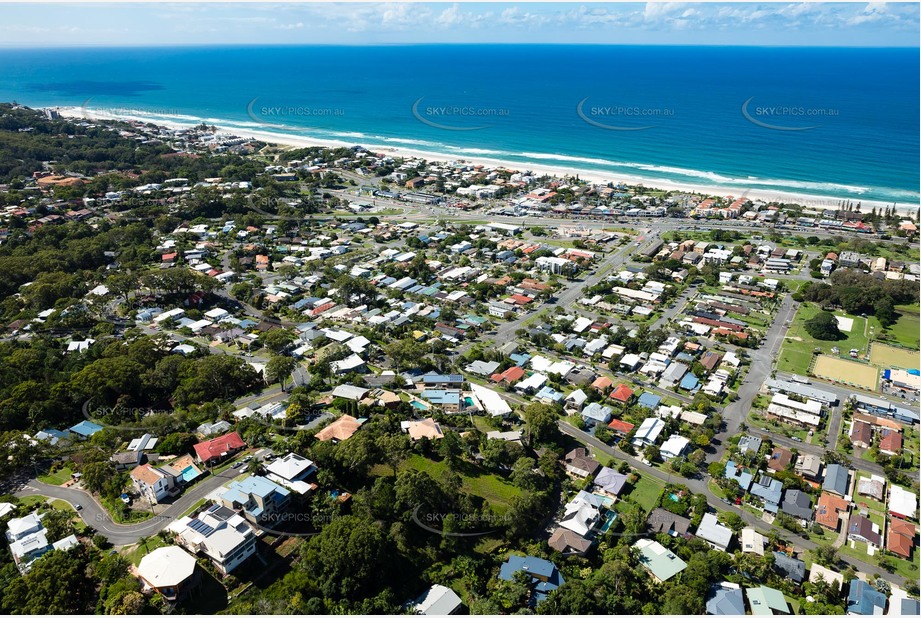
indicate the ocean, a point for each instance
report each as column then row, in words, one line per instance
column 839, row 122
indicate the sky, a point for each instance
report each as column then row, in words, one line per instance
column 359, row 23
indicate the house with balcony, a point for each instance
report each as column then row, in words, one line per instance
column 219, row 533
column 259, row 499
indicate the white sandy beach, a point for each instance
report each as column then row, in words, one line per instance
column 812, row 202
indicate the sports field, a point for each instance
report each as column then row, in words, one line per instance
column 846, row 372
column 886, row 356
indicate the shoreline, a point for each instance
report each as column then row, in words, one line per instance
column 807, row 200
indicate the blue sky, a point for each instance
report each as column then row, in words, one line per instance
column 771, row 23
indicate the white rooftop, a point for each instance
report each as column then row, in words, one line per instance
column 166, row 566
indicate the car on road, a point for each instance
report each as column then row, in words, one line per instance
column 796, row 439
column 78, row 507
column 237, row 464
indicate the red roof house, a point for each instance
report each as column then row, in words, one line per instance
column 622, row 393
column 219, row 448
column 622, row 427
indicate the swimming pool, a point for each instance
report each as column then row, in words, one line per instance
column 419, row 405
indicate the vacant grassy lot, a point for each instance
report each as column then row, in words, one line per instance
column 57, row 478
column 495, row 490
column 798, row 345
column 646, row 492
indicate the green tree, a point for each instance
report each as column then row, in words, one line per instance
column 823, row 326
column 279, row 368
column 541, row 420
column 348, row 557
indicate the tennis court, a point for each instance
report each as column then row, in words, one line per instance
column 846, row 372
column 886, row 356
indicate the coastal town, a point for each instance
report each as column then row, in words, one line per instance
column 245, row 377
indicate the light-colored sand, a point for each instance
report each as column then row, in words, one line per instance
column 768, row 195
column 844, row 324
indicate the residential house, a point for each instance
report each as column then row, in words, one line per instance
column 610, row 482
column 861, row 434
column 764, row 601
column 861, row 529
column 837, row 480
column 218, row 532
column 675, row 446
column 291, row 471
column 835, row 579
column 797, row 504
column 427, row 428
column 545, row 577
column 902, row 503
column 901, row 537
column 808, row 466
column 789, row 567
column 769, row 490
column 582, row 514
column 648, row 432
column 714, row 533
column 340, row 429
column 742, row 476
column 779, row 459
column 27, row 540
column 749, row 444
column 875, row 487
column 660, row 520
column 568, row 542
column 725, row 599
column 661, row 563
column 580, row 463
column 154, row 483
column 829, row 509
column 218, row 449
column 595, row 413
column 437, row 601
column 260, row 499
column 863, row 599
column 753, row 542
column 170, row 571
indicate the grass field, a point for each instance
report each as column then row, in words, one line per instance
column 796, row 352
column 495, row 490
column 846, row 371
column 646, row 492
column 58, row 478
column 886, row 356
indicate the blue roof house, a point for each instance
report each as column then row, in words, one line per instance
column 648, row 400
column 85, row 428
column 769, row 490
column 739, row 475
column 545, row 578
column 865, row 600
column 259, row 498
column 690, row 383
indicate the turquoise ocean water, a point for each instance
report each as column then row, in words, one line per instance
column 833, row 122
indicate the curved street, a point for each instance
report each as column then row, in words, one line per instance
column 96, row 516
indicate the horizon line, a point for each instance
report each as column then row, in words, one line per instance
column 58, row 46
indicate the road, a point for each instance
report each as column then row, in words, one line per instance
column 95, row 515
column 569, row 294
column 762, row 359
